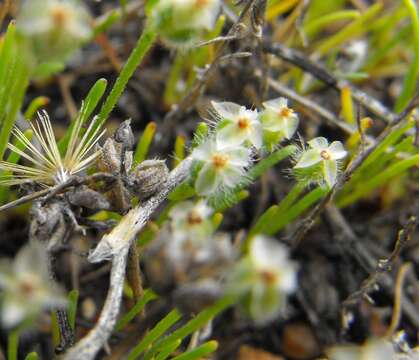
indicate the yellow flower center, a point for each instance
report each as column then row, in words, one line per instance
column 219, row 160
column 286, row 111
column 325, row 154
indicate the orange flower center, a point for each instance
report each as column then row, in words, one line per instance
column 194, row 218
column 286, row 111
column 268, row 277
column 325, row 154
column 219, row 160
column 60, row 15
column 243, row 123
column 201, row 3
column 26, row 288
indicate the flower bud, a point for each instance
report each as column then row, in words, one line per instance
column 147, row 178
column 181, row 22
column 124, row 135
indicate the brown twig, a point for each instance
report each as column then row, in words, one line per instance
column 54, row 190
column 236, row 31
column 115, row 246
column 398, row 299
column 383, row 266
column 300, row 60
column 134, row 272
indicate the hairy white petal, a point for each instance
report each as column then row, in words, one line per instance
column 330, row 171
column 337, row 150
column 320, row 143
column 308, row 158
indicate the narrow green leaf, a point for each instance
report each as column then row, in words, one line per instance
column 167, row 351
column 368, row 186
column 142, row 47
column 155, row 333
column 280, row 220
column 12, row 345
column 32, row 356
column 55, row 329
column 410, row 80
column 264, row 220
column 148, row 296
column 200, row 351
column 355, row 28
column 196, row 323
column 34, row 106
column 144, row 143
column 179, row 150
column 317, row 24
column 88, row 106
column 21, row 82
column 73, row 297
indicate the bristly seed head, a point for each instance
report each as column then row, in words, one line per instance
column 48, row 167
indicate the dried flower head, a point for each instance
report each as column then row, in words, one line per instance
column 147, row 178
column 321, row 161
column 26, row 286
column 223, row 167
column 264, row 277
column 242, row 124
column 48, row 167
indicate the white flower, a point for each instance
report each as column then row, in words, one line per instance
column 278, row 117
column 224, row 167
column 265, row 276
column 64, row 17
column 191, row 221
column 270, row 260
column 52, row 31
column 243, row 124
column 371, row 350
column 48, row 166
column 327, row 155
column 26, row 286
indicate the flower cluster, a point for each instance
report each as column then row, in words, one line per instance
column 264, row 278
column 181, row 22
column 27, row 277
column 239, row 132
column 320, row 162
column 188, row 256
column 53, row 29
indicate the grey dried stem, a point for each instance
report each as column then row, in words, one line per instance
column 115, row 246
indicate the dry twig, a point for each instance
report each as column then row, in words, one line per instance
column 115, row 246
